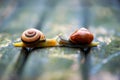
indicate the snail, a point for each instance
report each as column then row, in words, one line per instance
column 79, row 38
column 35, row 38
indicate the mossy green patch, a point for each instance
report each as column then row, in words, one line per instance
column 113, row 47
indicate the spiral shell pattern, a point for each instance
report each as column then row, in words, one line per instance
column 32, row 36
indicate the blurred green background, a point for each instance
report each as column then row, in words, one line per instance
column 101, row 17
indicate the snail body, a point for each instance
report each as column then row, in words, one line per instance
column 81, row 36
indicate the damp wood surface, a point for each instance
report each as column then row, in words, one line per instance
column 55, row 17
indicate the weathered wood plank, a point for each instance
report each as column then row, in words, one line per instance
column 107, row 54
column 13, row 58
column 53, row 63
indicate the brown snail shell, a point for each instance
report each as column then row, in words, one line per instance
column 32, row 36
column 81, row 36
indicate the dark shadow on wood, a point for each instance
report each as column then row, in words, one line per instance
column 20, row 64
column 86, row 12
column 23, row 58
column 85, row 66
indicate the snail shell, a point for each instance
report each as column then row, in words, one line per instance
column 81, row 36
column 32, row 36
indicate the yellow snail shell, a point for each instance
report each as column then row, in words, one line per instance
column 32, row 36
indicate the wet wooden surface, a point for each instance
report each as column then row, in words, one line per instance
column 59, row 63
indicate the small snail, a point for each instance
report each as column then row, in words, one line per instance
column 34, row 38
column 80, row 38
